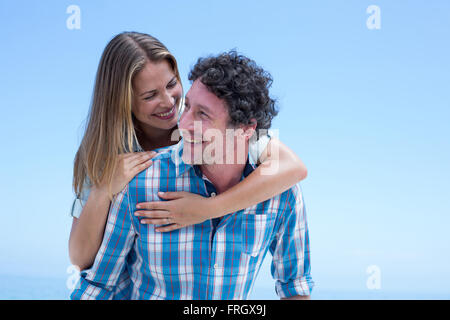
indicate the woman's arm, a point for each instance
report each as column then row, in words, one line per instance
column 277, row 173
column 87, row 231
column 280, row 169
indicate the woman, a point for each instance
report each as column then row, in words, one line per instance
column 136, row 103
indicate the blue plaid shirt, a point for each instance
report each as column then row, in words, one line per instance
column 216, row 259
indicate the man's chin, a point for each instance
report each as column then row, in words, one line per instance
column 200, row 154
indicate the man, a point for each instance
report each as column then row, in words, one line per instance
column 219, row 258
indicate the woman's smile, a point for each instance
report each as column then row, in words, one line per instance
column 166, row 115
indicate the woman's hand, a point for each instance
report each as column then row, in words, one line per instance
column 182, row 209
column 129, row 165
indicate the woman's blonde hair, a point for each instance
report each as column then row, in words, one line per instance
column 110, row 129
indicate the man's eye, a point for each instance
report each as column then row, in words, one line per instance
column 203, row 114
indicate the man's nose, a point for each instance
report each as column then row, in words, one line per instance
column 187, row 121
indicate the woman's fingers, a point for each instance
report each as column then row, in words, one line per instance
column 153, row 214
column 162, row 218
column 155, row 205
column 141, row 167
column 154, row 217
column 141, row 162
column 162, row 205
column 140, row 158
column 172, row 195
column 156, row 221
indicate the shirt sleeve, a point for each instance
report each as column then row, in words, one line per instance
column 79, row 201
column 101, row 280
column 290, row 249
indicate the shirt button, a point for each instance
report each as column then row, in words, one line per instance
column 216, row 266
column 213, row 194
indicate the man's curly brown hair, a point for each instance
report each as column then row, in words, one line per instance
column 242, row 84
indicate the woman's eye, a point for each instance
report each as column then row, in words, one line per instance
column 149, row 98
column 203, row 114
column 172, row 84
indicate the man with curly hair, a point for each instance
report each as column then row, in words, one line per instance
column 219, row 258
column 246, row 110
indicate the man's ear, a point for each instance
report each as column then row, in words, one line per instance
column 249, row 129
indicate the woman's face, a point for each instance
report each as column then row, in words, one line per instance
column 157, row 93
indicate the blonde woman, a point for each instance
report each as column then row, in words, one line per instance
column 136, row 103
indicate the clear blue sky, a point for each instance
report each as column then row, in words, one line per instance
column 367, row 110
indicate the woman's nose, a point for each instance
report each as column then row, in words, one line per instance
column 168, row 100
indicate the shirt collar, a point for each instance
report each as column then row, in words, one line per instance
column 180, row 166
